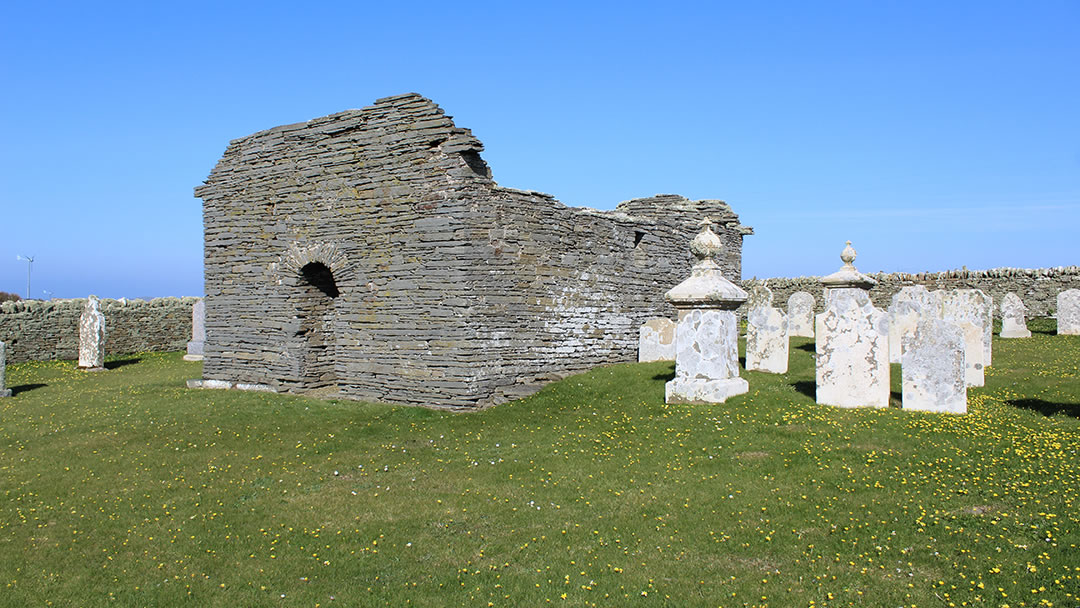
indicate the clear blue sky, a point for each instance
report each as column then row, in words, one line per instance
column 932, row 134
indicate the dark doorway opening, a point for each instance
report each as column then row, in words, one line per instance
column 316, row 312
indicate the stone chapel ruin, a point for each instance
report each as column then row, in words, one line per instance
column 370, row 253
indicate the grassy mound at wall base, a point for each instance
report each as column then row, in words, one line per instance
column 123, row 488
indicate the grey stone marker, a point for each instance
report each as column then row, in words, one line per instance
column 4, row 391
column 767, row 340
column 656, row 340
column 92, row 337
column 707, row 337
column 908, row 306
column 1013, row 323
column 800, row 314
column 852, row 341
column 988, row 326
column 933, row 368
column 759, row 295
column 964, row 308
column 1068, row 313
column 198, row 331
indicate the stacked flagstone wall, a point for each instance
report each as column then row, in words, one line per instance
column 1037, row 288
column 371, row 251
column 49, row 329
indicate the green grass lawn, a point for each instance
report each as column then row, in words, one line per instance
column 124, row 488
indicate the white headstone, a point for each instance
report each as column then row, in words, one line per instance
column 198, row 331
column 1068, row 313
column 656, row 340
column 852, row 351
column 92, row 336
column 933, row 368
column 908, row 306
column 964, row 307
column 758, row 295
column 767, row 340
column 707, row 336
column 801, row 314
column 4, row 390
column 988, row 326
column 1013, row 322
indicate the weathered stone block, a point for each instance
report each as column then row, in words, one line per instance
column 966, row 309
column 1068, row 313
column 198, row 332
column 767, row 340
column 908, row 306
column 92, row 337
column 801, row 314
column 1013, row 323
column 656, row 340
column 933, row 368
column 706, row 358
column 852, row 341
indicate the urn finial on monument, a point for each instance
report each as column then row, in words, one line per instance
column 848, row 275
column 707, row 287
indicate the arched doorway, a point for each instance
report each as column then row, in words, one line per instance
column 316, row 313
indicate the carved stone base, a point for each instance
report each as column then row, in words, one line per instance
column 704, row 391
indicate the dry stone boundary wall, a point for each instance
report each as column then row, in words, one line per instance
column 37, row 330
column 1036, row 287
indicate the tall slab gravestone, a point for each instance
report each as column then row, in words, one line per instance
column 4, row 390
column 767, row 340
column 92, row 336
column 933, row 368
column 988, row 326
column 198, row 331
column 800, row 314
column 964, row 308
column 908, row 306
column 656, row 340
column 1068, row 313
column 852, row 341
column 707, row 337
column 1013, row 321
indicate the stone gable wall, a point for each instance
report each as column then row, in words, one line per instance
column 37, row 330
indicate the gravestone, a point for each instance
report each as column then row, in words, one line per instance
column 4, row 390
column 767, row 340
column 656, row 340
column 933, row 368
column 198, row 331
column 964, row 308
column 988, row 326
column 1068, row 313
column 758, row 295
column 1013, row 322
column 852, row 341
column 707, row 337
column 908, row 306
column 92, row 336
column 801, row 314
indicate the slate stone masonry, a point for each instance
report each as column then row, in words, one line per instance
column 37, row 330
column 371, row 252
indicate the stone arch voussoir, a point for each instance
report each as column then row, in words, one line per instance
column 328, row 254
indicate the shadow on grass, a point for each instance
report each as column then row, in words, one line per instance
column 810, row 348
column 1047, row 408
column 121, row 363
column 806, row 387
column 666, row 377
column 22, row 388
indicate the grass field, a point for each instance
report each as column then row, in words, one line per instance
column 124, row 488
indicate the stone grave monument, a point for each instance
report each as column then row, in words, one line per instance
column 988, row 326
column 656, row 340
column 908, row 306
column 198, row 331
column 4, row 390
column 933, row 368
column 1068, row 313
column 800, row 314
column 852, row 341
column 964, row 307
column 707, row 336
column 92, row 337
column 767, row 337
column 1013, row 322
